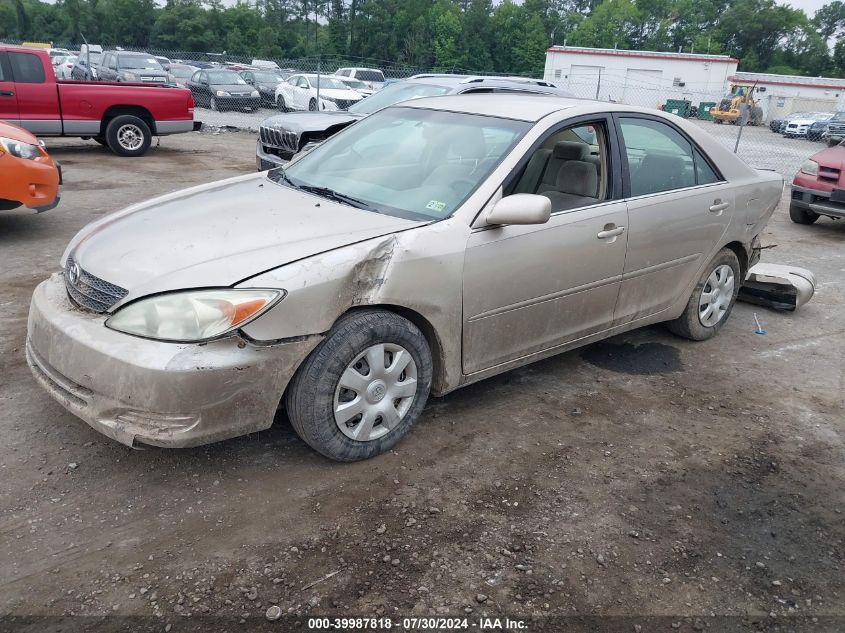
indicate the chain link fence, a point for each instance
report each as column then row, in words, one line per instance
column 761, row 144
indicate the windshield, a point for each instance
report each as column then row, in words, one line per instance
column 369, row 75
column 327, row 82
column 224, row 78
column 139, row 62
column 183, row 72
column 396, row 93
column 407, row 162
column 267, row 78
column 839, row 116
column 95, row 58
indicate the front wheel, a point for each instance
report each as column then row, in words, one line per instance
column 361, row 390
column 214, row 105
column 312, row 105
column 801, row 216
column 280, row 104
column 127, row 135
column 712, row 299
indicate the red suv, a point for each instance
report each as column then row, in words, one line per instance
column 819, row 187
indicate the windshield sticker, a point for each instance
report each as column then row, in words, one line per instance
column 435, row 205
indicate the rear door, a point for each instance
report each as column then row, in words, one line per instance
column 679, row 207
column 8, row 99
column 37, row 95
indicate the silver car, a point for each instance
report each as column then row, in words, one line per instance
column 431, row 245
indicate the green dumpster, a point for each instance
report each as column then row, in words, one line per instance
column 677, row 106
column 704, row 110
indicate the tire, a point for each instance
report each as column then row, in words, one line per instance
column 315, row 392
column 801, row 216
column 8, row 205
column 718, row 121
column 280, row 104
column 212, row 103
column 312, row 105
column 127, row 135
column 692, row 324
column 832, row 142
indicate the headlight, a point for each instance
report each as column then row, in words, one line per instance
column 93, row 73
column 129, row 76
column 810, row 167
column 193, row 315
column 19, row 149
column 222, row 93
column 254, row 93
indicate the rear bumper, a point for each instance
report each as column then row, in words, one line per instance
column 136, row 390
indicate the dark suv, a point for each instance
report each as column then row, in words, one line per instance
column 129, row 66
column 282, row 136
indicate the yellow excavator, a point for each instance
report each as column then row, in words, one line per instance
column 729, row 108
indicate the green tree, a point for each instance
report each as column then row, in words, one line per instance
column 446, row 33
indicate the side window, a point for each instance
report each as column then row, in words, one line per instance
column 570, row 168
column 26, row 68
column 195, row 77
column 3, row 68
column 659, row 157
column 303, row 83
column 704, row 174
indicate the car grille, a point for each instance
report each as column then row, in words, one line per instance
column 240, row 94
column 90, row 292
column 344, row 104
column 154, row 80
column 837, row 129
column 280, row 139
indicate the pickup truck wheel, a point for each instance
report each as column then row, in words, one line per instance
column 127, row 135
column 361, row 390
column 801, row 216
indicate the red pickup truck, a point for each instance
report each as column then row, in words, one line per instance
column 122, row 116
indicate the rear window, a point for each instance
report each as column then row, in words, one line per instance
column 369, row 75
column 26, row 68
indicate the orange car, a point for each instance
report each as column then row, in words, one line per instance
column 28, row 176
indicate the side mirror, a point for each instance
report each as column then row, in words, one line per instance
column 520, row 208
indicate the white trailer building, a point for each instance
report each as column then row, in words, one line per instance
column 642, row 78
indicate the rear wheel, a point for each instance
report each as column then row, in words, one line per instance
column 127, row 135
column 712, row 299
column 801, row 216
column 361, row 390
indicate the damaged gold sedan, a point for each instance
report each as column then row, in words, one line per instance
column 428, row 246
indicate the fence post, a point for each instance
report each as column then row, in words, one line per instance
column 598, row 84
column 743, row 116
column 318, row 83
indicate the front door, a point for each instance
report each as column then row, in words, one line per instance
column 679, row 207
column 535, row 287
column 8, row 98
column 38, row 99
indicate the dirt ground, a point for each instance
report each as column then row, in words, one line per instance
column 642, row 476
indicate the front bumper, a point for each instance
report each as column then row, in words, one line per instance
column 163, row 394
column 265, row 160
column 238, row 103
column 816, row 201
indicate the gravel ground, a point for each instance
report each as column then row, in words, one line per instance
column 642, row 476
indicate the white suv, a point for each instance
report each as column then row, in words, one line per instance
column 373, row 77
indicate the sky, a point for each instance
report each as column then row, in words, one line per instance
column 809, row 6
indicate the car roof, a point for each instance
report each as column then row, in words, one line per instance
column 523, row 107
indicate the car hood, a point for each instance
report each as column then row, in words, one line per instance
column 300, row 122
column 334, row 93
column 832, row 157
column 233, row 87
column 802, row 121
column 219, row 234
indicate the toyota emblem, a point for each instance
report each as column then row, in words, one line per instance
column 73, row 273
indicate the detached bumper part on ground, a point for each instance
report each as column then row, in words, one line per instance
column 170, row 395
column 778, row 286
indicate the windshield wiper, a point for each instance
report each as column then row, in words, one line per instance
column 331, row 194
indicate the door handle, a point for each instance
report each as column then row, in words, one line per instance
column 718, row 207
column 6, row 93
column 610, row 230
